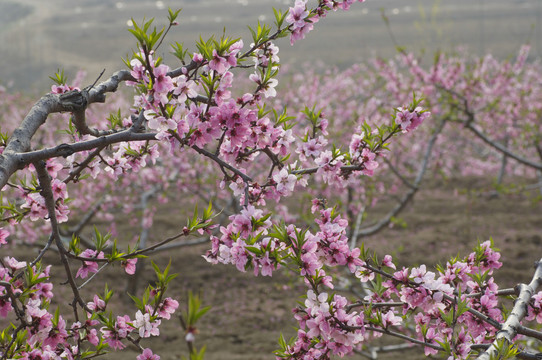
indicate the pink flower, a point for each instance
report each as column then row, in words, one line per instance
column 145, row 326
column 129, row 266
column 160, row 123
column 353, row 260
column 388, row 261
column 369, row 164
column 218, row 63
column 97, row 305
column 267, row 88
column 311, row 148
column 163, row 83
column 14, row 263
column 92, row 337
column 59, row 189
column 53, row 167
column 389, row 319
column 3, row 236
column 317, row 304
column 234, row 50
column 5, row 307
column 197, row 57
column 89, row 266
column 300, row 33
column 45, row 353
column 296, row 15
column 120, row 331
column 147, row 355
column 239, row 255
column 431, row 337
column 401, row 275
column 138, row 71
column 410, row 120
column 36, row 203
column 167, row 308
column 285, row 182
column 61, row 89
column 184, row 89
column 57, row 334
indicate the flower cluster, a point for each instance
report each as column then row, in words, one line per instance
column 49, row 334
column 192, row 108
column 328, row 323
column 34, row 202
column 409, row 119
column 302, row 20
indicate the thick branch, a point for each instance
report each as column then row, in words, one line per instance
column 510, row 327
column 64, row 150
column 19, row 142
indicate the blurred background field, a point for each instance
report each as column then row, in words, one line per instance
column 38, row 37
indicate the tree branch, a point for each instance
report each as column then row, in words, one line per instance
column 501, row 148
column 510, row 327
column 47, row 193
column 373, row 229
column 19, row 142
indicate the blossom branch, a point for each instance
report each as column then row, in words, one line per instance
column 468, row 123
column 74, row 174
column 503, row 149
column 222, row 163
column 372, row 351
column 404, row 337
column 45, row 183
column 373, row 229
column 513, row 322
column 64, row 150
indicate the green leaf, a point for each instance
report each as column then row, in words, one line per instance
column 172, row 15
column 178, row 51
column 59, row 78
column 279, row 17
column 139, row 304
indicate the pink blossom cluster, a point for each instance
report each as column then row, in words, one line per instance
column 48, row 333
column 408, row 119
column 35, row 202
column 329, row 324
column 302, row 20
column 233, row 125
column 235, row 245
column 194, row 108
column 535, row 308
column 90, row 265
column 362, row 154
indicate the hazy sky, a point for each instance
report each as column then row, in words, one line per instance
column 37, row 37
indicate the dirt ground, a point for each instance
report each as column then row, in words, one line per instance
column 248, row 313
